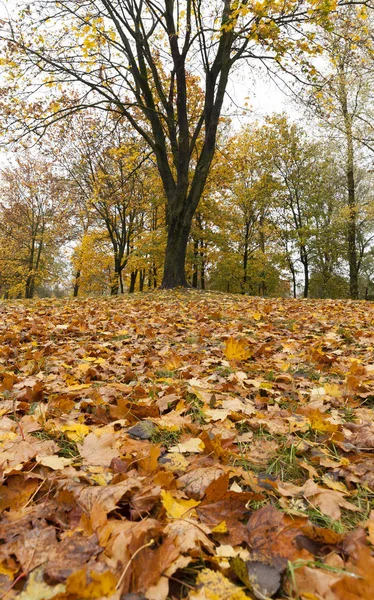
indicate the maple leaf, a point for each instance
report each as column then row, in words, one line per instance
column 98, row 450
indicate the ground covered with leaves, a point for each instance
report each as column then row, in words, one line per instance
column 185, row 444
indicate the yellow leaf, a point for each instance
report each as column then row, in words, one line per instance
column 176, row 462
column 220, row 528
column 177, row 508
column 37, row 589
column 55, row 462
column 75, row 431
column 334, row 390
column 319, row 423
column 101, row 584
column 4, row 570
column 212, row 585
column 257, row 316
column 194, row 445
column 338, row 486
column 237, row 349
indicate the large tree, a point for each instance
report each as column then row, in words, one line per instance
column 134, row 58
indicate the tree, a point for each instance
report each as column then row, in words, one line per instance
column 253, row 189
column 34, row 223
column 135, row 58
column 110, row 171
column 341, row 99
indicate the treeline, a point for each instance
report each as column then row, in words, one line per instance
column 86, row 214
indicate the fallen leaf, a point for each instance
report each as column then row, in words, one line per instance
column 94, row 585
column 98, row 450
column 193, row 445
column 177, row 508
column 237, row 349
column 212, row 585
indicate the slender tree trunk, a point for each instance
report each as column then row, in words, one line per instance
column 202, row 275
column 293, row 273
column 195, row 265
column 350, row 175
column 116, row 277
column 30, row 285
column 352, row 227
column 202, row 265
column 121, row 284
column 245, row 256
column 133, row 277
column 76, row 283
column 141, row 280
column 305, row 263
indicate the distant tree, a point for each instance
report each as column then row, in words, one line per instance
column 252, row 190
column 34, row 223
column 111, row 175
column 341, row 97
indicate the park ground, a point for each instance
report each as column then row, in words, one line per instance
column 182, row 444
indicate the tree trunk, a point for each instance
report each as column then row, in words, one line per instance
column 305, row 263
column 133, row 277
column 352, row 218
column 116, row 277
column 195, row 265
column 245, row 256
column 76, row 284
column 176, row 249
column 30, row 285
column 141, row 280
column 202, row 265
column 352, row 234
column 293, row 273
column 202, row 275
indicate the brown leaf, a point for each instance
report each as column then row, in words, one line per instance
column 272, row 536
column 195, row 482
column 98, row 450
column 360, row 587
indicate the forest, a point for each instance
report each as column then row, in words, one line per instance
column 285, row 206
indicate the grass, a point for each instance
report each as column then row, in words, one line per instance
column 67, row 448
column 285, row 465
column 165, row 374
column 195, row 409
column 166, row 437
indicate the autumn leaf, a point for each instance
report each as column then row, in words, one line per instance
column 178, row 508
column 237, row 349
column 92, row 585
column 213, row 585
column 98, row 450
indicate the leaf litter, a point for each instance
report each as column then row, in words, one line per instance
column 184, row 444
